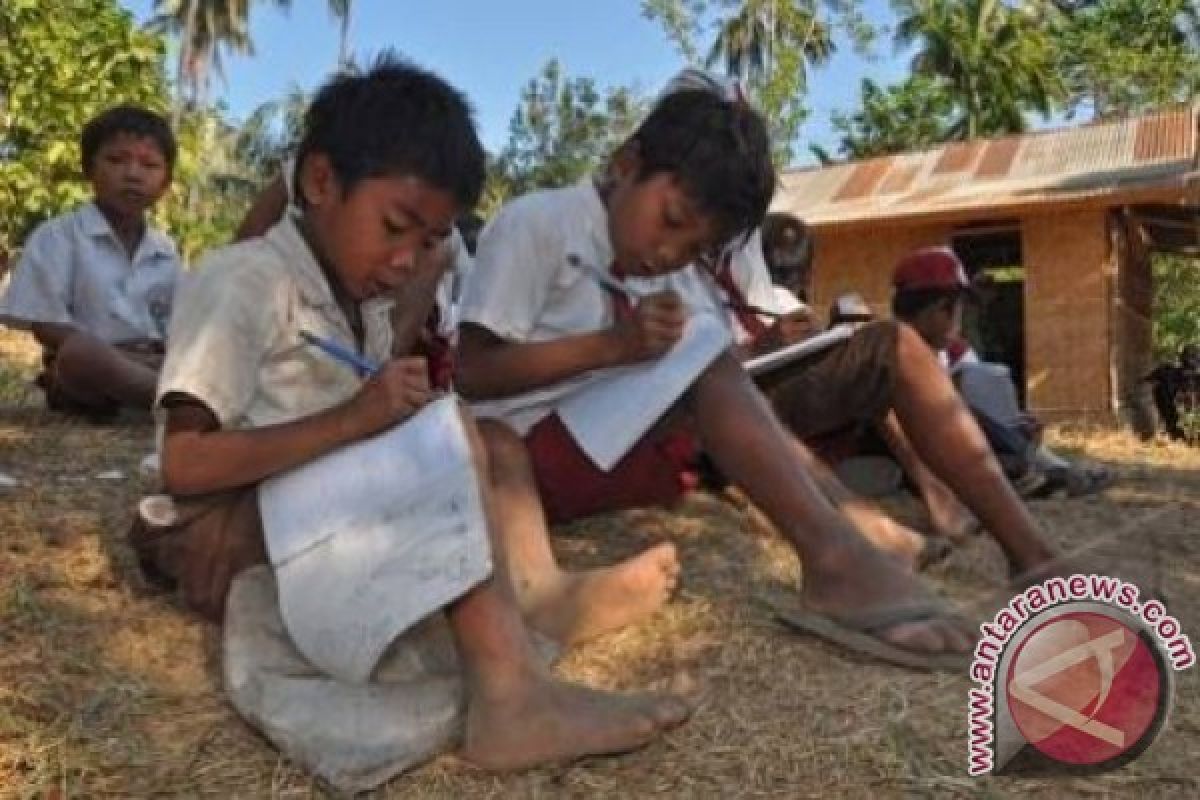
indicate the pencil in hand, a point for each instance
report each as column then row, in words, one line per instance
column 364, row 366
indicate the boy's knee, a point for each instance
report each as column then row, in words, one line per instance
column 76, row 361
column 910, row 347
column 505, row 449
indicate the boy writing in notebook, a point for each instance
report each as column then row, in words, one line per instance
column 695, row 176
column 95, row 285
column 387, row 161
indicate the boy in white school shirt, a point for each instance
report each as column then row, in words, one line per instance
column 425, row 316
column 95, row 285
column 389, row 158
column 538, row 322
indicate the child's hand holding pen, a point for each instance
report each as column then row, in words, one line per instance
column 399, row 389
column 653, row 328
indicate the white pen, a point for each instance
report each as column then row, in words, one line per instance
column 603, row 278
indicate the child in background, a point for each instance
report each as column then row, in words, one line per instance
column 695, row 176
column 95, row 285
column 387, row 161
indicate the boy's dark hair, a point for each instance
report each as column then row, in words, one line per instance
column 395, row 119
column 910, row 302
column 718, row 150
column 135, row 120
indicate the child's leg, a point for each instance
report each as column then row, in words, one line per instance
column 517, row 714
column 568, row 606
column 947, row 438
column 93, row 373
column 880, row 529
column 949, row 517
column 843, row 573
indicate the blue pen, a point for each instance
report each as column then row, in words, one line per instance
column 361, row 364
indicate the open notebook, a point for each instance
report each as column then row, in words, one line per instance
column 610, row 413
column 369, row 539
column 761, row 365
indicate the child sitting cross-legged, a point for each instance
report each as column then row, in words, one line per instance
column 388, row 159
column 95, row 285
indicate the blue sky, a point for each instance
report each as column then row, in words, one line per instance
column 491, row 48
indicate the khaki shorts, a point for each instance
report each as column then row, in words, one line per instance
column 199, row 544
column 850, row 384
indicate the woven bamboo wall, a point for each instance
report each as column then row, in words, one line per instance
column 1069, row 272
column 861, row 261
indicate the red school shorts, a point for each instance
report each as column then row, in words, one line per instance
column 656, row 472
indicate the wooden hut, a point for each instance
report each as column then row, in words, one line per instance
column 1065, row 219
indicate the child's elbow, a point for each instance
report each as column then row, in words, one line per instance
column 467, row 378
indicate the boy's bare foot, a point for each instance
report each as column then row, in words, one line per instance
column 581, row 605
column 886, row 534
column 948, row 517
column 865, row 582
column 547, row 721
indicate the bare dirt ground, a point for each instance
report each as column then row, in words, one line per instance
column 110, row 691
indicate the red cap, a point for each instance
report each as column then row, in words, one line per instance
column 930, row 268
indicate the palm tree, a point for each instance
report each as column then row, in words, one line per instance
column 341, row 12
column 997, row 60
column 204, row 28
column 750, row 42
column 271, row 132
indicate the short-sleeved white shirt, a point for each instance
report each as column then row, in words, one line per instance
column 523, row 287
column 74, row 270
column 235, row 337
column 448, row 287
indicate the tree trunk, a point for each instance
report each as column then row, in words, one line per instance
column 344, row 40
column 185, row 56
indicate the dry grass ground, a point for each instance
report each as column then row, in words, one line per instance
column 106, row 691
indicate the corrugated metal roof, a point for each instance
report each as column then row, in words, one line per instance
column 1044, row 166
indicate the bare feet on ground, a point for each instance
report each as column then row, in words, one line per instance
column 581, row 605
column 552, row 721
column 948, row 517
column 886, row 534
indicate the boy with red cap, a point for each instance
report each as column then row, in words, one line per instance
column 930, row 288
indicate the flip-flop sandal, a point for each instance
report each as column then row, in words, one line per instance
column 861, row 634
column 1088, row 479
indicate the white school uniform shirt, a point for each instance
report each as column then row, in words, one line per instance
column 74, row 270
column 523, row 287
column 448, row 288
column 235, row 336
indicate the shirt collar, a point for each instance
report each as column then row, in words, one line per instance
column 589, row 240
column 153, row 242
column 310, row 278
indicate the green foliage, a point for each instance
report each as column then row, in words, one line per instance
column 214, row 184
column 1126, row 56
column 203, row 29
column 62, row 62
column 564, row 129
column 769, row 45
column 1176, row 304
column 997, row 60
column 907, row 116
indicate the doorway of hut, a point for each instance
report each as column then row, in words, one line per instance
column 994, row 319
